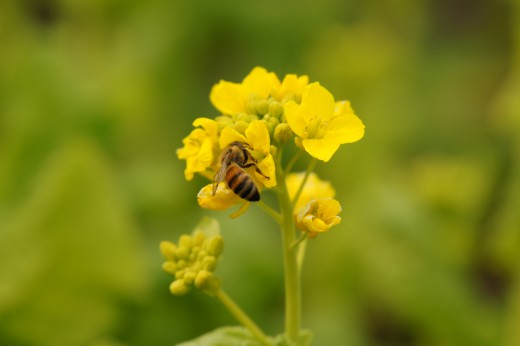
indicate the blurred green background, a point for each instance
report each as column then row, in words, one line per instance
column 95, row 97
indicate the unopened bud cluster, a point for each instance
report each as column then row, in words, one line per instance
column 269, row 111
column 192, row 262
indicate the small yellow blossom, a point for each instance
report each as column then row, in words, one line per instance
column 232, row 98
column 257, row 136
column 223, row 198
column 318, row 216
column 291, row 86
column 314, row 188
column 200, row 147
column 321, row 123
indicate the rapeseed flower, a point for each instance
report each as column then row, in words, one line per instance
column 322, row 124
column 318, row 216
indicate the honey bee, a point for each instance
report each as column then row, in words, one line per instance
column 233, row 161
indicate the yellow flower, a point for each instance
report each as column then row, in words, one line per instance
column 199, row 147
column 292, row 85
column 257, row 137
column 223, row 198
column 318, row 216
column 321, row 123
column 314, row 188
column 232, row 98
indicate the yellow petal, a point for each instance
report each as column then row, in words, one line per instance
column 267, row 167
column 210, row 125
column 295, row 118
column 223, row 199
column 314, row 188
column 345, row 127
column 258, row 137
column 258, row 82
column 228, row 98
column 317, row 102
column 292, row 84
column 322, row 149
column 228, row 136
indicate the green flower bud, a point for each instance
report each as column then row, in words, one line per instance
column 189, row 277
column 186, row 242
column 182, row 253
column 179, row 274
column 209, row 263
column 275, row 109
column 168, row 250
column 179, row 288
column 201, row 255
column 207, row 282
column 198, row 238
column 181, row 264
column 169, row 267
column 241, row 126
column 282, row 133
column 262, row 107
column 216, row 246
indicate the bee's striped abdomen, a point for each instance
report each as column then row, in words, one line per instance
column 242, row 184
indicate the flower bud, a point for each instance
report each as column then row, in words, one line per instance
column 186, row 242
column 241, row 126
column 262, row 107
column 179, row 287
column 275, row 109
column 209, row 263
column 170, row 267
column 179, row 274
column 182, row 253
column 282, row 133
column 207, row 282
column 189, row 277
column 199, row 237
column 168, row 250
column 216, row 246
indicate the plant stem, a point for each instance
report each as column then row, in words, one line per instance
column 242, row 317
column 310, row 168
column 292, row 275
column 270, row 211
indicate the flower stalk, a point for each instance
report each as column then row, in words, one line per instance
column 292, row 274
column 242, row 317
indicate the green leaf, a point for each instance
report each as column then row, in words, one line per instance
column 240, row 336
column 209, row 226
column 225, row 336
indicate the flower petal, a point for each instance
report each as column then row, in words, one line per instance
column 294, row 118
column 322, row 149
column 345, row 126
column 228, row 98
column 317, row 102
column 258, row 82
column 223, row 199
column 228, row 136
column 268, row 168
column 258, row 136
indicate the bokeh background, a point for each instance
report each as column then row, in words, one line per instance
column 95, row 97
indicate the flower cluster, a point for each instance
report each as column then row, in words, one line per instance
column 241, row 152
column 265, row 113
column 192, row 262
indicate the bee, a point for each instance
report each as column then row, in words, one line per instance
column 233, row 161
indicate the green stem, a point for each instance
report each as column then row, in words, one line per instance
column 293, row 161
column 292, row 275
column 270, row 211
column 242, row 317
column 310, row 168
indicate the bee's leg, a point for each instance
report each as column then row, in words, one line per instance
column 257, row 170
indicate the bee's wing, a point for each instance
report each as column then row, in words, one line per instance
column 219, row 176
